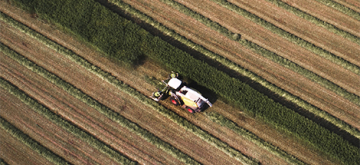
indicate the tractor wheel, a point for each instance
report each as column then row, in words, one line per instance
column 190, row 110
column 157, row 94
column 174, row 101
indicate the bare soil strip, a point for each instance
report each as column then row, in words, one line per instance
column 14, row 151
column 270, row 41
column 87, row 118
column 306, row 30
column 327, row 14
column 282, row 77
column 261, row 130
column 352, row 4
column 111, row 97
column 54, row 138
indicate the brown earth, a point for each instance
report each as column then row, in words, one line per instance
column 105, row 94
column 14, row 151
column 308, row 31
column 328, row 14
column 280, row 76
column 56, row 139
column 257, row 34
column 352, row 4
column 111, row 97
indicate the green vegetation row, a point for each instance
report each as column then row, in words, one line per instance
column 28, row 141
column 112, row 115
column 222, row 120
column 267, row 53
column 229, row 88
column 133, row 127
column 39, row 108
column 316, row 21
column 342, row 8
column 228, row 63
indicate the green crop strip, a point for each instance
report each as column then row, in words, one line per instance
column 342, row 8
column 28, row 141
column 316, row 21
column 228, row 63
column 266, row 53
column 37, row 107
column 133, row 127
column 222, row 120
column 229, row 88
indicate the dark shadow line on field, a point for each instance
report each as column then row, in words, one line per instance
column 322, row 122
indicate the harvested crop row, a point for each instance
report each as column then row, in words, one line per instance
column 316, row 20
column 101, row 108
column 222, row 120
column 268, row 54
column 294, row 38
column 63, row 123
column 47, row 133
column 111, row 79
column 80, row 114
column 239, row 69
column 15, row 132
column 342, row 8
column 118, row 100
column 160, row 50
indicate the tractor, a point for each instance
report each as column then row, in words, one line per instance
column 181, row 95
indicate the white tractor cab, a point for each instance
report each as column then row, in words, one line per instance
column 182, row 95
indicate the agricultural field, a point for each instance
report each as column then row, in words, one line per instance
column 76, row 76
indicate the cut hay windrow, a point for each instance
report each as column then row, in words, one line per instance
column 316, row 21
column 295, row 39
column 342, row 8
column 27, row 140
column 169, row 56
column 228, row 63
column 125, row 88
column 133, row 127
column 267, row 53
column 222, row 120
